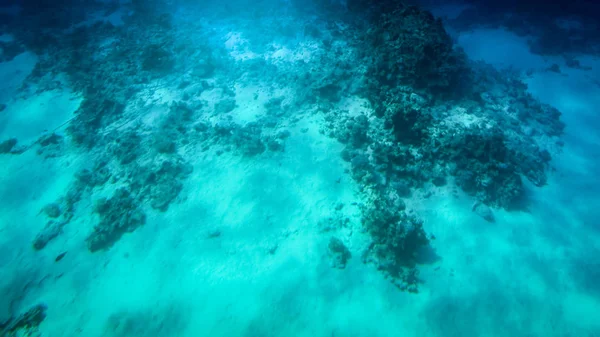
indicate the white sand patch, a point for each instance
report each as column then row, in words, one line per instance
column 356, row 106
column 282, row 54
column 28, row 119
column 238, row 47
column 250, row 101
column 460, row 117
column 154, row 116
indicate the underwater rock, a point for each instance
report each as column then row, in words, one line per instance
column 483, row 211
column 339, row 253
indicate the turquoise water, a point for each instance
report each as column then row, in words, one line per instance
column 195, row 169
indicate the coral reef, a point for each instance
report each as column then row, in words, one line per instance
column 126, row 147
column 408, row 46
column 434, row 117
column 118, row 215
column 159, row 183
column 91, row 116
column 397, row 239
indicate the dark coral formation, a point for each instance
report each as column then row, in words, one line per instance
column 8, row 145
column 250, row 139
column 408, row 46
column 97, row 175
column 397, row 239
column 488, row 137
column 118, row 215
column 488, row 156
column 339, row 253
column 26, row 324
column 174, row 131
column 92, row 116
column 159, row 183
